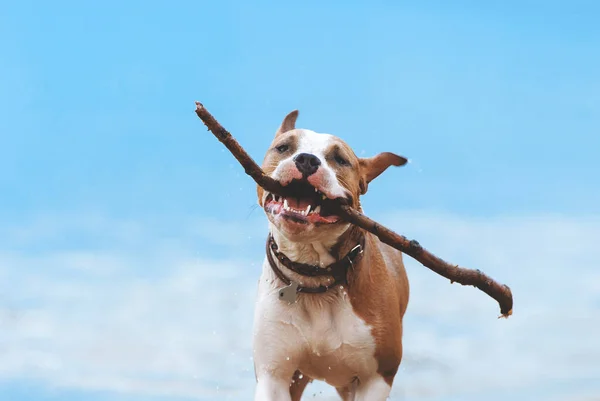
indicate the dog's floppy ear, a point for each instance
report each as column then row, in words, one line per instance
column 288, row 124
column 371, row 167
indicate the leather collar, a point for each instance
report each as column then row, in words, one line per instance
column 338, row 270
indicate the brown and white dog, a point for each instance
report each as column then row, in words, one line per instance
column 331, row 297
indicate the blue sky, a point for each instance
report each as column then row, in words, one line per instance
column 112, row 189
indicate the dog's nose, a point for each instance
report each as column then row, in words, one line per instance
column 306, row 163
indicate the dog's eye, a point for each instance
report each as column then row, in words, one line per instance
column 340, row 160
column 282, row 148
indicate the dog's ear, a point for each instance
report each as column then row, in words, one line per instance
column 372, row 167
column 288, row 124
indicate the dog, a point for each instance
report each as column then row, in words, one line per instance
column 331, row 296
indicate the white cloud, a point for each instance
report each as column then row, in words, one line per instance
column 147, row 315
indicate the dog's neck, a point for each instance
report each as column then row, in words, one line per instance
column 321, row 252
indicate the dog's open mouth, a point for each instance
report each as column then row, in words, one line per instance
column 304, row 204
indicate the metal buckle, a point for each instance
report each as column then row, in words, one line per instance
column 354, row 252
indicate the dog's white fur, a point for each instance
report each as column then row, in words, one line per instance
column 323, row 338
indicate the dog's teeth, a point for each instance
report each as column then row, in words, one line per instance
column 307, row 211
column 317, row 209
column 323, row 196
column 285, row 204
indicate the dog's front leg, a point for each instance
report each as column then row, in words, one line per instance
column 271, row 388
column 373, row 389
column 274, row 364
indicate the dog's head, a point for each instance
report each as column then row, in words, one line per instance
column 317, row 168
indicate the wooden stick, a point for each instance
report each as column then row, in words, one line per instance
column 501, row 293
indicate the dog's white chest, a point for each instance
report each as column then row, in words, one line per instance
column 320, row 335
column 339, row 344
column 331, row 325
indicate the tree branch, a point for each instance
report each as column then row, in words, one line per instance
column 500, row 292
